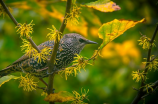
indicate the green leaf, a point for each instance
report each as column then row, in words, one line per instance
column 34, row 5
column 111, row 30
column 88, row 14
column 98, row 2
column 6, row 79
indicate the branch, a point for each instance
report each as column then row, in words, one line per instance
column 74, row 65
column 149, row 53
column 146, row 68
column 33, row 44
column 16, row 23
column 42, row 88
column 154, row 86
column 92, row 58
column 7, row 11
column 54, row 52
column 141, row 92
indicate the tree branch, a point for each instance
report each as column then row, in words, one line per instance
column 55, row 49
column 16, row 23
column 7, row 11
column 141, row 92
column 154, row 86
column 149, row 53
column 33, row 44
column 42, row 88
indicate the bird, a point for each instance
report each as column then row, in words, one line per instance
column 69, row 45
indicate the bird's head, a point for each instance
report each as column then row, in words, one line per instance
column 76, row 41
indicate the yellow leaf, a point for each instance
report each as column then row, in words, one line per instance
column 61, row 96
column 125, row 51
column 56, row 14
column 111, row 30
column 103, row 5
column 94, row 31
column 6, row 79
column 81, row 26
column 21, row 5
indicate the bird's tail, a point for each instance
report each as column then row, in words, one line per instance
column 7, row 70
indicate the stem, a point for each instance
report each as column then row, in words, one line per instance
column 144, row 93
column 54, row 52
column 154, row 86
column 16, row 23
column 149, row 54
column 141, row 92
column 43, row 81
column 92, row 58
column 7, row 11
column 33, row 44
column 42, row 88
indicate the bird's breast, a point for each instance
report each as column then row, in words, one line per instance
column 65, row 57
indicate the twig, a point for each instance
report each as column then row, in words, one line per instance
column 43, row 81
column 54, row 52
column 16, row 23
column 74, row 65
column 7, row 11
column 149, row 53
column 154, row 86
column 43, row 88
column 146, row 68
column 33, row 44
column 141, row 92
column 92, row 58
column 135, row 89
column 148, row 91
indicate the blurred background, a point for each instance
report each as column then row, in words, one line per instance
column 109, row 80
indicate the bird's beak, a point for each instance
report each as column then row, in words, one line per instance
column 90, row 42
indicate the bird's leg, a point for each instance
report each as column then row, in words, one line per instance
column 49, row 73
column 53, row 90
column 43, row 81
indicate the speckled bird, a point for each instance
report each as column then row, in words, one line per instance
column 70, row 45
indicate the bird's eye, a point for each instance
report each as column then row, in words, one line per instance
column 81, row 40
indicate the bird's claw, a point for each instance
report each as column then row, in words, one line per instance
column 50, row 73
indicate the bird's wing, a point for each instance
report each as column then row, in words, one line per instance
column 41, row 46
column 24, row 57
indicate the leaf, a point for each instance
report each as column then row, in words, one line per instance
column 88, row 14
column 61, row 96
column 33, row 4
column 111, row 30
column 21, row 5
column 81, row 26
column 7, row 78
column 55, row 14
column 12, row 1
column 103, row 5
